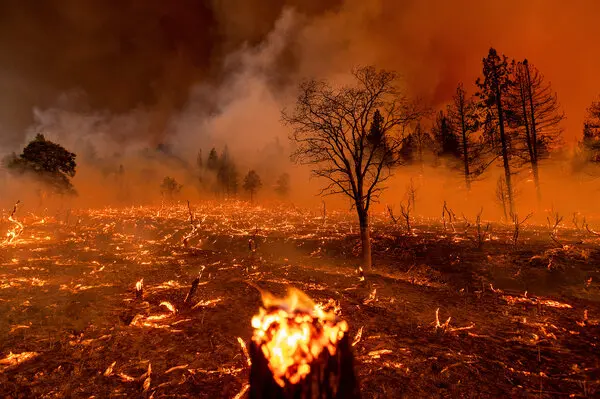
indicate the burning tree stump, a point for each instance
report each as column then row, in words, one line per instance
column 301, row 352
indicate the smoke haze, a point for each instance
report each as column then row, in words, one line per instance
column 115, row 80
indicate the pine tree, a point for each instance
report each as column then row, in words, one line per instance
column 536, row 112
column 212, row 163
column 282, row 185
column 464, row 120
column 417, row 147
column 590, row 144
column 227, row 176
column 446, row 137
column 199, row 161
column 169, row 187
column 494, row 91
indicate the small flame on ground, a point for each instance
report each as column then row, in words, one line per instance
column 169, row 306
column 245, row 350
column 292, row 332
column 109, row 370
column 357, row 337
column 437, row 320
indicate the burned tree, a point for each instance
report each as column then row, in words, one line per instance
column 252, row 184
column 464, row 121
column 227, row 175
column 282, row 185
column 536, row 112
column 417, row 147
column 169, row 187
column 494, row 89
column 447, row 140
column 336, row 131
column 590, row 144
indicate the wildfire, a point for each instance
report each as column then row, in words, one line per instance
column 293, row 332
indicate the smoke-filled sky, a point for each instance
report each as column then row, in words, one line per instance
column 161, row 71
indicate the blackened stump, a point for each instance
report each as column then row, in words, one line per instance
column 330, row 377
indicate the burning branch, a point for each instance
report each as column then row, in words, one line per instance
column 438, row 325
column 194, row 227
column 11, row 235
column 245, row 350
column 592, row 232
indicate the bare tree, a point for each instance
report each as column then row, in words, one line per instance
column 517, row 226
column 350, row 136
column 536, row 111
column 554, row 227
column 405, row 211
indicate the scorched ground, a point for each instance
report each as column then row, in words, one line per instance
column 439, row 317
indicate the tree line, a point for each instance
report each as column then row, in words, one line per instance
column 353, row 136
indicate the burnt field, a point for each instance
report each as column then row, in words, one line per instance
column 440, row 316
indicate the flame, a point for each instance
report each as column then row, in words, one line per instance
column 292, row 332
column 169, row 306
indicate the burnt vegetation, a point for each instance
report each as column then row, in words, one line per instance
column 184, row 297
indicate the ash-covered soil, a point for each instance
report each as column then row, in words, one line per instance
column 524, row 320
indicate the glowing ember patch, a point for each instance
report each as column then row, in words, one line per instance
column 14, row 359
column 292, row 333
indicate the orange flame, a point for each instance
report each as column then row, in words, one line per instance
column 292, row 332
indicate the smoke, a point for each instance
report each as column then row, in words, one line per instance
column 188, row 77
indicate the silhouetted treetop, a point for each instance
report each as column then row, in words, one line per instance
column 48, row 161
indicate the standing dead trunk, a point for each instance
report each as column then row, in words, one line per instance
column 534, row 138
column 504, row 142
column 465, row 151
column 365, row 239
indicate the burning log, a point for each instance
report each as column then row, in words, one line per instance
column 300, row 351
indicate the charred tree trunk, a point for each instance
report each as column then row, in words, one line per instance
column 534, row 139
column 504, row 142
column 465, row 149
column 365, row 239
column 331, row 377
